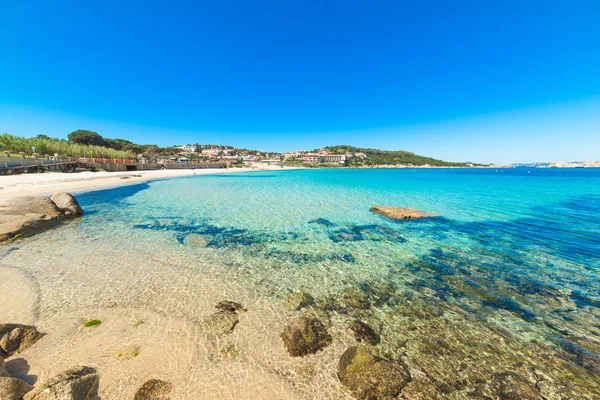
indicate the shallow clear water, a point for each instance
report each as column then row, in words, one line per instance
column 507, row 279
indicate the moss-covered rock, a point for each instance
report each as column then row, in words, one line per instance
column 363, row 332
column 305, row 336
column 370, row 377
column 299, row 300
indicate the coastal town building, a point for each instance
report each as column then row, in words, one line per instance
column 188, row 147
column 212, row 151
column 319, row 158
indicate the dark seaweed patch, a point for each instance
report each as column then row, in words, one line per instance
column 322, row 221
column 357, row 233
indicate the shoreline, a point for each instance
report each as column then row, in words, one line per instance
column 45, row 184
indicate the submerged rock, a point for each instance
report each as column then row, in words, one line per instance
column 154, row 389
column 68, row 204
column 510, row 386
column 298, row 300
column 15, row 337
column 13, row 388
column 79, row 383
column 400, row 213
column 353, row 298
column 420, row 390
column 227, row 305
column 305, row 336
column 370, row 377
column 221, row 323
column 363, row 332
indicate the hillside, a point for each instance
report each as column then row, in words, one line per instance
column 386, row 157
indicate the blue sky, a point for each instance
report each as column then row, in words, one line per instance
column 458, row 80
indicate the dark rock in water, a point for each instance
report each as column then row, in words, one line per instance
column 230, row 306
column 305, row 336
column 79, row 383
column 15, row 337
column 401, row 213
column 510, row 386
column 154, row 389
column 68, row 204
column 363, row 332
column 298, row 300
column 221, row 323
column 370, row 377
column 420, row 390
column 352, row 298
column 13, row 388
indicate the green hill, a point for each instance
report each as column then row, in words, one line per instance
column 387, row 157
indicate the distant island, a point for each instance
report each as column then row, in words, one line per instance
column 89, row 144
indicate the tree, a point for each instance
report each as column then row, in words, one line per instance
column 82, row 136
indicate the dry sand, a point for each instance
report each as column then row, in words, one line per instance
column 42, row 184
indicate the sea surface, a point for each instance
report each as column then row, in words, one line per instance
column 502, row 290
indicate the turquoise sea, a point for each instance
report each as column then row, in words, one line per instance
column 504, row 286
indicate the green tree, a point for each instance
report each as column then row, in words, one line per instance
column 82, row 136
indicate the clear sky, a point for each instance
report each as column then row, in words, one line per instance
column 459, row 80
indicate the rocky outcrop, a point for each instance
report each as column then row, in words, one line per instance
column 371, row 377
column 30, row 215
column 13, row 388
column 363, row 332
column 154, row 389
column 400, row 213
column 79, row 383
column 68, row 204
column 299, row 300
column 305, row 336
column 15, row 338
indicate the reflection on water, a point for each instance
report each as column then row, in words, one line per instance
column 502, row 292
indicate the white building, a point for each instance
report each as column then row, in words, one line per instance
column 211, row 151
column 188, row 147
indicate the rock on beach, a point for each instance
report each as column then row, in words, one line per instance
column 30, row 215
column 78, row 383
column 15, row 338
column 13, row 388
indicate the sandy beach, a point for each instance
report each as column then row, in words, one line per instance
column 44, row 184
